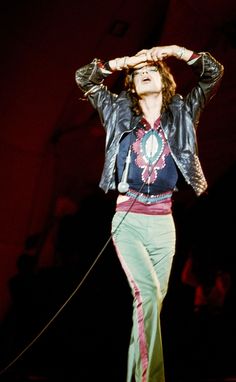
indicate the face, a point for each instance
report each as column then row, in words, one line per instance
column 147, row 80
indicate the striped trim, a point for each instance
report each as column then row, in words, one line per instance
column 140, row 316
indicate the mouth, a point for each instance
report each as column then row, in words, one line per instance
column 146, row 79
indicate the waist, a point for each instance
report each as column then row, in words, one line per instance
column 144, row 203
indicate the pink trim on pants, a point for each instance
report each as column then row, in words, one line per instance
column 140, row 316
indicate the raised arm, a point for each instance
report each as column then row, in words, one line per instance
column 148, row 56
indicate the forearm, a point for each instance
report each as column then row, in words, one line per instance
column 160, row 53
column 127, row 62
column 182, row 53
column 148, row 56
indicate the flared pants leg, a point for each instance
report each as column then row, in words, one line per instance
column 145, row 245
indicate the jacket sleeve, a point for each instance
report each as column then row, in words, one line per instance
column 209, row 72
column 90, row 80
column 91, row 75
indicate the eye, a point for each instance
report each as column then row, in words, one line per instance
column 153, row 69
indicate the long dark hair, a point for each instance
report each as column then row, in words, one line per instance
column 168, row 90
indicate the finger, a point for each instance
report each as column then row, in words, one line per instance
column 138, row 66
column 154, row 56
column 143, row 51
column 149, row 55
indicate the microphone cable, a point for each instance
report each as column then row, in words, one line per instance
column 58, row 311
column 27, row 347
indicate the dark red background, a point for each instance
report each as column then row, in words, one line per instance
column 51, row 143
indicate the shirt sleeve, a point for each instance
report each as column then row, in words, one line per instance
column 105, row 67
column 193, row 58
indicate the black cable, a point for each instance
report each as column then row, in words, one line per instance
column 72, row 294
column 58, row 311
column 78, row 286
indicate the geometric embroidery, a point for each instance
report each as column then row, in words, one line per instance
column 151, row 149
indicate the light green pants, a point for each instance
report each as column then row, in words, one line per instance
column 145, row 245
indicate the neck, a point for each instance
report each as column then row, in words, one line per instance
column 151, row 107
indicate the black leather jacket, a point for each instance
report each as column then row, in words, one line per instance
column 179, row 122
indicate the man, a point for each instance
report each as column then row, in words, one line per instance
column 150, row 133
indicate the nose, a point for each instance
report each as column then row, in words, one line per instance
column 145, row 70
